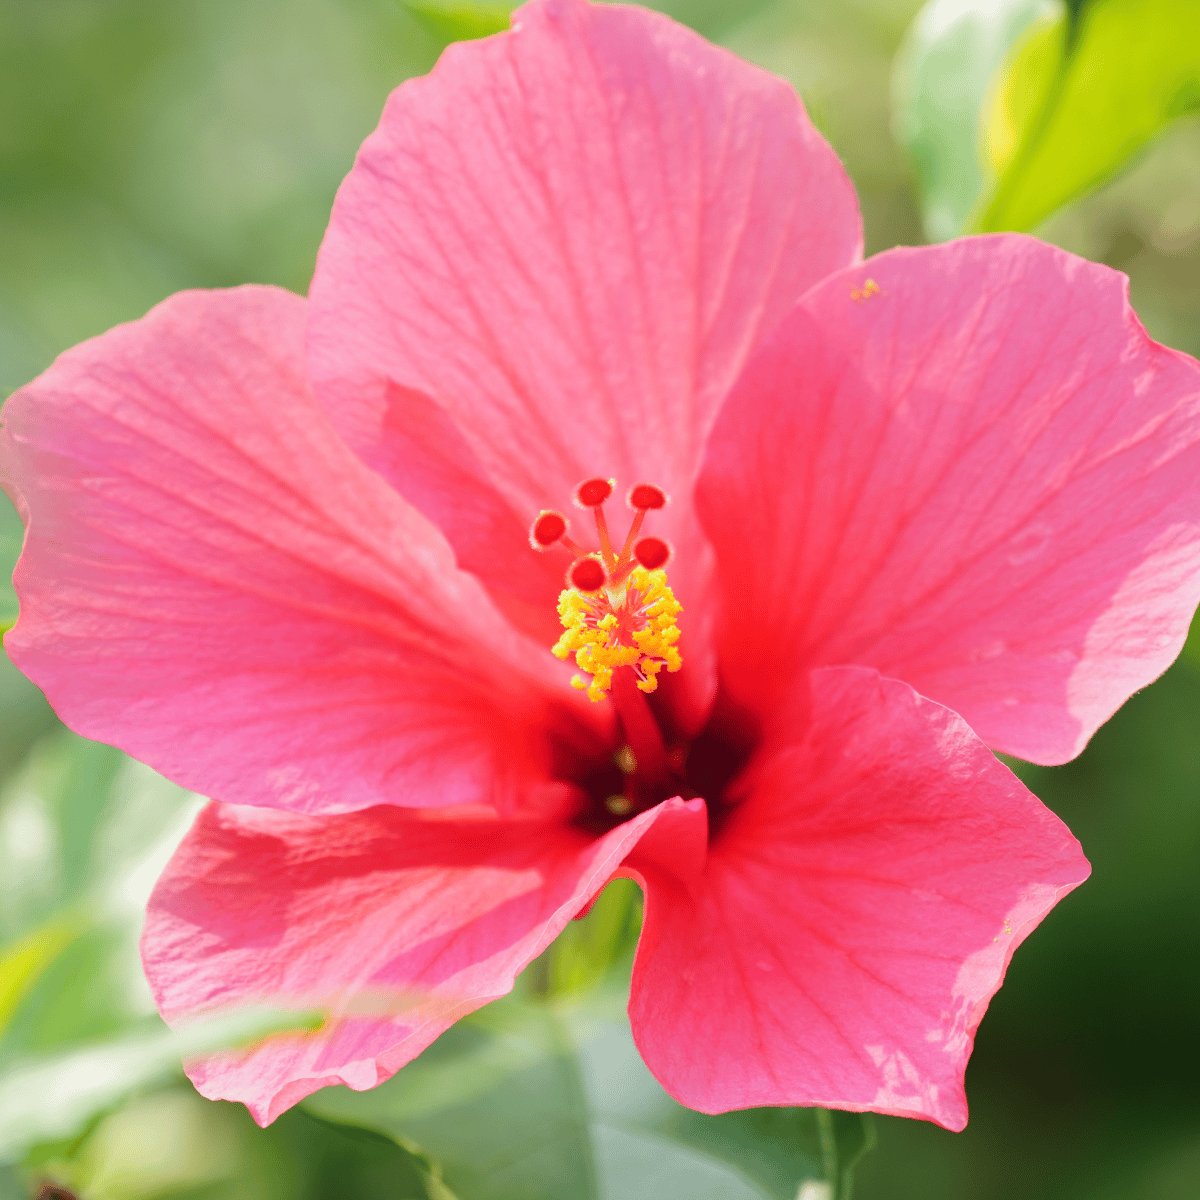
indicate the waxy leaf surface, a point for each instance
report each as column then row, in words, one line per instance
column 550, row 1098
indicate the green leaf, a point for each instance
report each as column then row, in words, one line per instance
column 551, row 1099
column 1078, row 99
column 943, row 71
column 26, row 959
column 26, row 716
column 84, row 833
column 1191, row 648
column 845, row 1138
column 55, row 1096
column 584, row 953
column 459, row 22
column 83, row 827
column 174, row 1145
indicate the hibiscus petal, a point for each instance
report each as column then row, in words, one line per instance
column 213, row 582
column 550, row 262
column 857, row 911
column 398, row 923
column 969, row 467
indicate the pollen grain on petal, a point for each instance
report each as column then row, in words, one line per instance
column 869, row 288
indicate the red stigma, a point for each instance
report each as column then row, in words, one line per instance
column 591, row 493
column 645, row 495
column 652, row 553
column 547, row 529
column 587, row 575
column 606, row 567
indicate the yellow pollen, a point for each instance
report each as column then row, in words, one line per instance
column 868, row 289
column 631, row 625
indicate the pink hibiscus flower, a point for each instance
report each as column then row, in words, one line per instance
column 281, row 551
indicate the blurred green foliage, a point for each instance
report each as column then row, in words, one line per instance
column 1080, row 96
column 547, row 1096
column 151, row 147
column 943, row 76
column 170, row 1144
column 147, row 148
column 1011, row 108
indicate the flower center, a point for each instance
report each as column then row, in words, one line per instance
column 617, row 609
column 620, row 623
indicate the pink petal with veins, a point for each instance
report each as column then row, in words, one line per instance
column 857, row 910
column 550, row 262
column 969, row 467
column 214, row 583
column 396, row 922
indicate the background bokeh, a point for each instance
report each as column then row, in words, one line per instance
column 149, row 147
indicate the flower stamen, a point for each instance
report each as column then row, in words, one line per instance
column 592, row 493
column 587, row 575
column 616, row 611
column 652, row 553
column 641, row 498
column 549, row 529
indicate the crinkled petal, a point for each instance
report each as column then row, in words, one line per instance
column 549, row 263
column 969, row 467
column 396, row 923
column 857, row 911
column 213, row 582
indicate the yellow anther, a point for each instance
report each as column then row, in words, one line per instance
column 630, row 626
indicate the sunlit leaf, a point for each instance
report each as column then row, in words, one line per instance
column 1011, row 108
column 550, row 1098
column 1078, row 100
column 55, row 1096
column 86, row 993
column 173, row 1145
column 23, row 961
column 941, row 78
column 460, row 21
column 588, row 948
column 84, row 832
